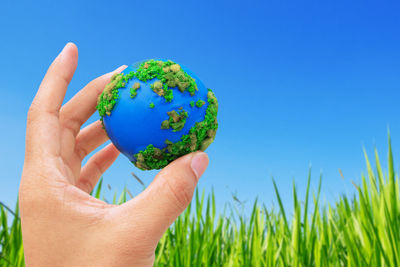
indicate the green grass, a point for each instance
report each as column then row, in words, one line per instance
column 363, row 230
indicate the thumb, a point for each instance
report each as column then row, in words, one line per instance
column 168, row 195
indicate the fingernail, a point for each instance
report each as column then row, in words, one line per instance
column 67, row 44
column 119, row 69
column 62, row 51
column 199, row 163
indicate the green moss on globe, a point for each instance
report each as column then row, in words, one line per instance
column 134, row 89
column 109, row 96
column 168, row 73
column 200, row 103
column 199, row 138
column 176, row 121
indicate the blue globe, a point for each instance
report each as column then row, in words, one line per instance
column 146, row 95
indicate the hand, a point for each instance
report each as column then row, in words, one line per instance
column 62, row 225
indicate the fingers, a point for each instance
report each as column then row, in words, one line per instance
column 95, row 167
column 90, row 138
column 78, row 110
column 167, row 196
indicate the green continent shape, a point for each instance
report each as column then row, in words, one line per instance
column 168, row 73
column 200, row 136
column 176, row 121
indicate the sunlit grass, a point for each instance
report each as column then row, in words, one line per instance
column 363, row 230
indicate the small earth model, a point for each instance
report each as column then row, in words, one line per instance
column 156, row 111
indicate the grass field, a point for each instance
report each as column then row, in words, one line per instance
column 360, row 231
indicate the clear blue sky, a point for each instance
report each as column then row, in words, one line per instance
column 298, row 83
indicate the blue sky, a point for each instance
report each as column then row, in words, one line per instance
column 298, row 83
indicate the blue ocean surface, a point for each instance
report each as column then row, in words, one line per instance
column 133, row 125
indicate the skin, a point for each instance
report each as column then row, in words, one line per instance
column 62, row 225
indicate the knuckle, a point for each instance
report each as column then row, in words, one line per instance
column 71, row 123
column 32, row 111
column 98, row 167
column 81, row 150
column 85, row 185
column 181, row 191
column 98, row 84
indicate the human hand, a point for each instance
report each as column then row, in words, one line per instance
column 62, row 224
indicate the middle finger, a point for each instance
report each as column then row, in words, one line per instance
column 79, row 109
